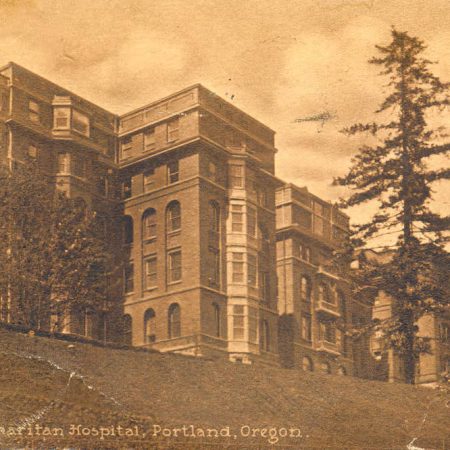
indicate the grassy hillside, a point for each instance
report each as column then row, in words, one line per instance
column 54, row 383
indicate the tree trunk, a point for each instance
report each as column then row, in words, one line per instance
column 409, row 358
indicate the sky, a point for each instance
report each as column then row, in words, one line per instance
column 280, row 61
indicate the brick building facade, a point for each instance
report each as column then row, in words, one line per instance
column 314, row 303
column 213, row 255
column 74, row 142
column 198, row 177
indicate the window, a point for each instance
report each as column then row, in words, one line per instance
column 251, row 221
column 149, row 222
column 444, row 331
column 32, row 151
column 129, row 278
column 342, row 304
column 149, row 326
column 61, row 118
column 126, row 188
column 305, row 288
column 318, row 208
column 173, row 130
column 149, row 179
column 304, row 253
column 262, row 197
column 126, row 147
column 214, row 267
column 236, row 176
column 174, row 321
column 127, row 230
column 264, row 286
column 33, row 111
column 127, row 329
column 150, row 272
column 78, row 166
column 307, row 254
column 149, row 139
column 324, row 293
column 80, row 122
column 325, row 368
column 238, row 267
column 174, row 266
column 102, row 185
column 173, row 174
column 251, row 269
column 238, row 322
column 307, row 364
column 264, row 339
column 214, row 217
column 253, row 325
column 318, row 225
column 217, row 327
column 237, row 218
column 63, row 163
column 173, row 216
column 251, row 185
column 344, row 343
column 212, row 171
column 328, row 332
column 4, row 102
column 306, row 328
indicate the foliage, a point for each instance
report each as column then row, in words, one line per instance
column 394, row 170
column 52, row 256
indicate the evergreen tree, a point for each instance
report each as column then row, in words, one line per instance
column 52, row 256
column 394, row 170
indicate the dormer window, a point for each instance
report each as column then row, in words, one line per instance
column 61, row 119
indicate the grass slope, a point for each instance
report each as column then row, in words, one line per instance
column 55, row 383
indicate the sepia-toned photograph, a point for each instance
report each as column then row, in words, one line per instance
column 225, row 224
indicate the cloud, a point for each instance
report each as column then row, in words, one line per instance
column 279, row 60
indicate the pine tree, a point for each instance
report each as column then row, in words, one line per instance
column 394, row 171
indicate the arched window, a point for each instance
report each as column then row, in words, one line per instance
column 173, row 216
column 325, row 367
column 217, row 327
column 214, row 217
column 149, row 224
column 127, row 230
column 307, row 364
column 342, row 370
column 305, row 288
column 264, row 337
column 149, row 326
column 174, row 321
column 127, row 333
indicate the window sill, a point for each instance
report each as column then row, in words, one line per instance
column 151, row 288
column 174, row 232
column 149, row 240
column 171, row 283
